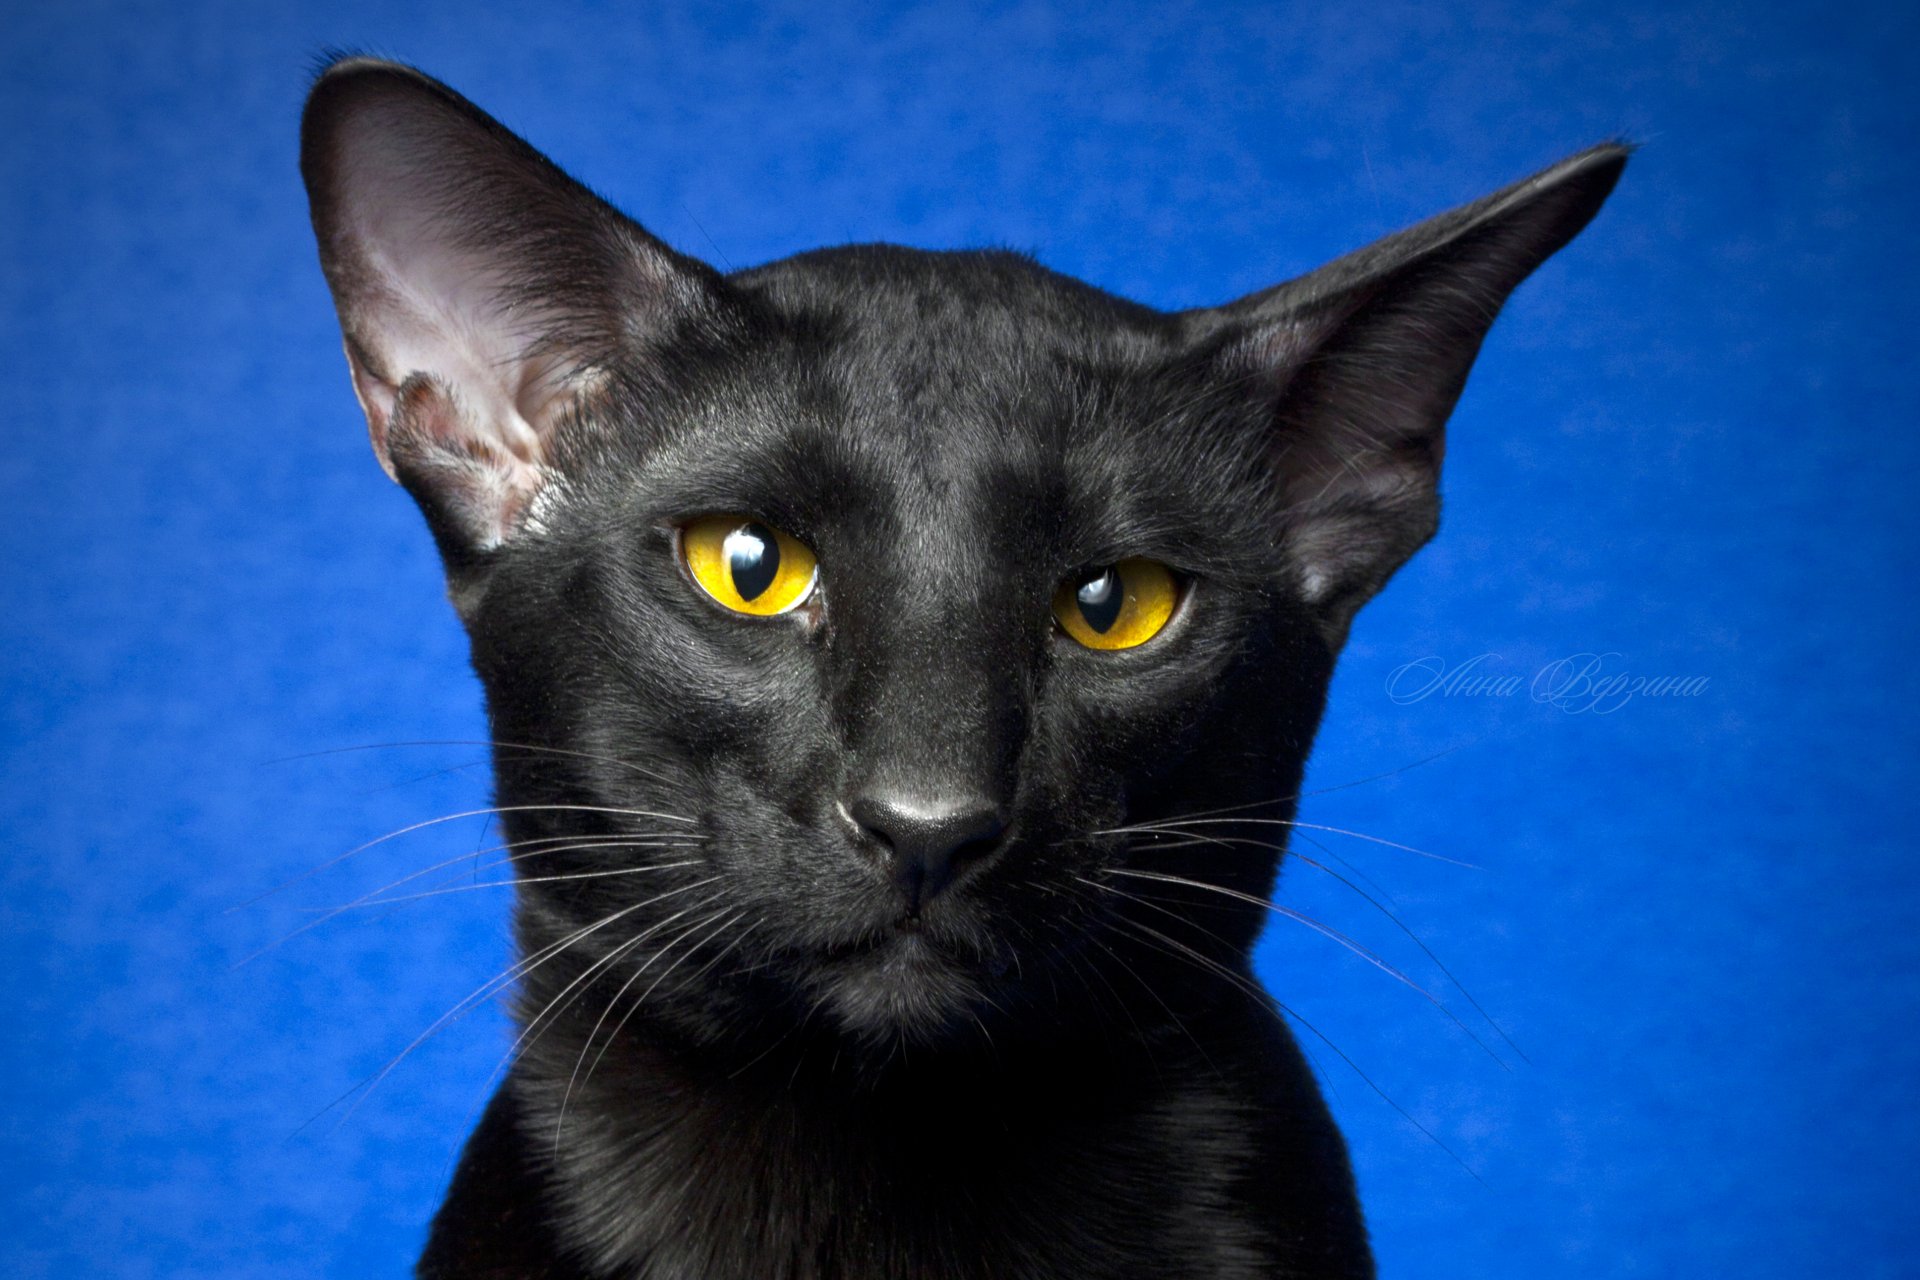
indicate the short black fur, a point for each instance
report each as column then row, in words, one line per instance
column 755, row 1045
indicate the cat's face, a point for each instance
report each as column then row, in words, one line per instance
column 841, row 613
column 901, row 779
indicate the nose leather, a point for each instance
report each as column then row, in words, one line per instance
column 928, row 843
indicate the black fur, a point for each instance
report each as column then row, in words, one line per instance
column 767, row 1062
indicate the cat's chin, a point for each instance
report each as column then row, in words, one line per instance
column 901, row 985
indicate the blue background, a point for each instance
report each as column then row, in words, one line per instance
column 1691, row 442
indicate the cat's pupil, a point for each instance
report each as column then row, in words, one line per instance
column 1100, row 599
column 753, row 557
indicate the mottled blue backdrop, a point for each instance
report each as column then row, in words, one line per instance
column 1691, row 444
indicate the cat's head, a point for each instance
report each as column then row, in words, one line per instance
column 836, row 616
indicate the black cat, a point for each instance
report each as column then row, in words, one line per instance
column 902, row 666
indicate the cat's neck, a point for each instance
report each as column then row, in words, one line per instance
column 667, row 1167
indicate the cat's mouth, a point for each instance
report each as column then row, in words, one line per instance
column 907, row 939
column 904, row 979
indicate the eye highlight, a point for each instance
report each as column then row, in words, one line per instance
column 1117, row 606
column 747, row 565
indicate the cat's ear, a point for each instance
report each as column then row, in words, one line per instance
column 484, row 295
column 1361, row 361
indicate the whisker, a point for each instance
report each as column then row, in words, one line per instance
column 1390, row 773
column 1323, row 929
column 1352, row 870
column 793, row 1029
column 1121, row 920
column 535, row 748
column 531, row 1033
column 1153, row 994
column 586, row 846
column 512, row 973
column 1266, row 1000
column 1081, row 966
column 1382, row 908
column 376, row 897
column 1317, row 791
column 1178, row 826
column 1287, row 912
column 556, row 845
column 430, row 776
column 567, row 1097
column 712, row 964
column 508, row 884
column 455, row 817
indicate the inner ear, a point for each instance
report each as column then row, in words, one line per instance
column 485, row 297
column 1358, row 365
column 472, row 482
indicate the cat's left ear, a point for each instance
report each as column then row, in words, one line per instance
column 486, row 298
column 1360, row 362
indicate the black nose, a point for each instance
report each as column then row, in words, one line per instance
column 928, row 842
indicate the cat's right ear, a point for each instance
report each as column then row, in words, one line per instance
column 486, row 298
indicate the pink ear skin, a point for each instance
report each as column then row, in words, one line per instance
column 469, row 485
column 376, row 401
column 427, row 440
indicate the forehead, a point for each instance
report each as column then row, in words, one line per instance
column 970, row 397
column 941, row 344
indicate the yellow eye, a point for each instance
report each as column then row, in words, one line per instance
column 746, row 565
column 1118, row 606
